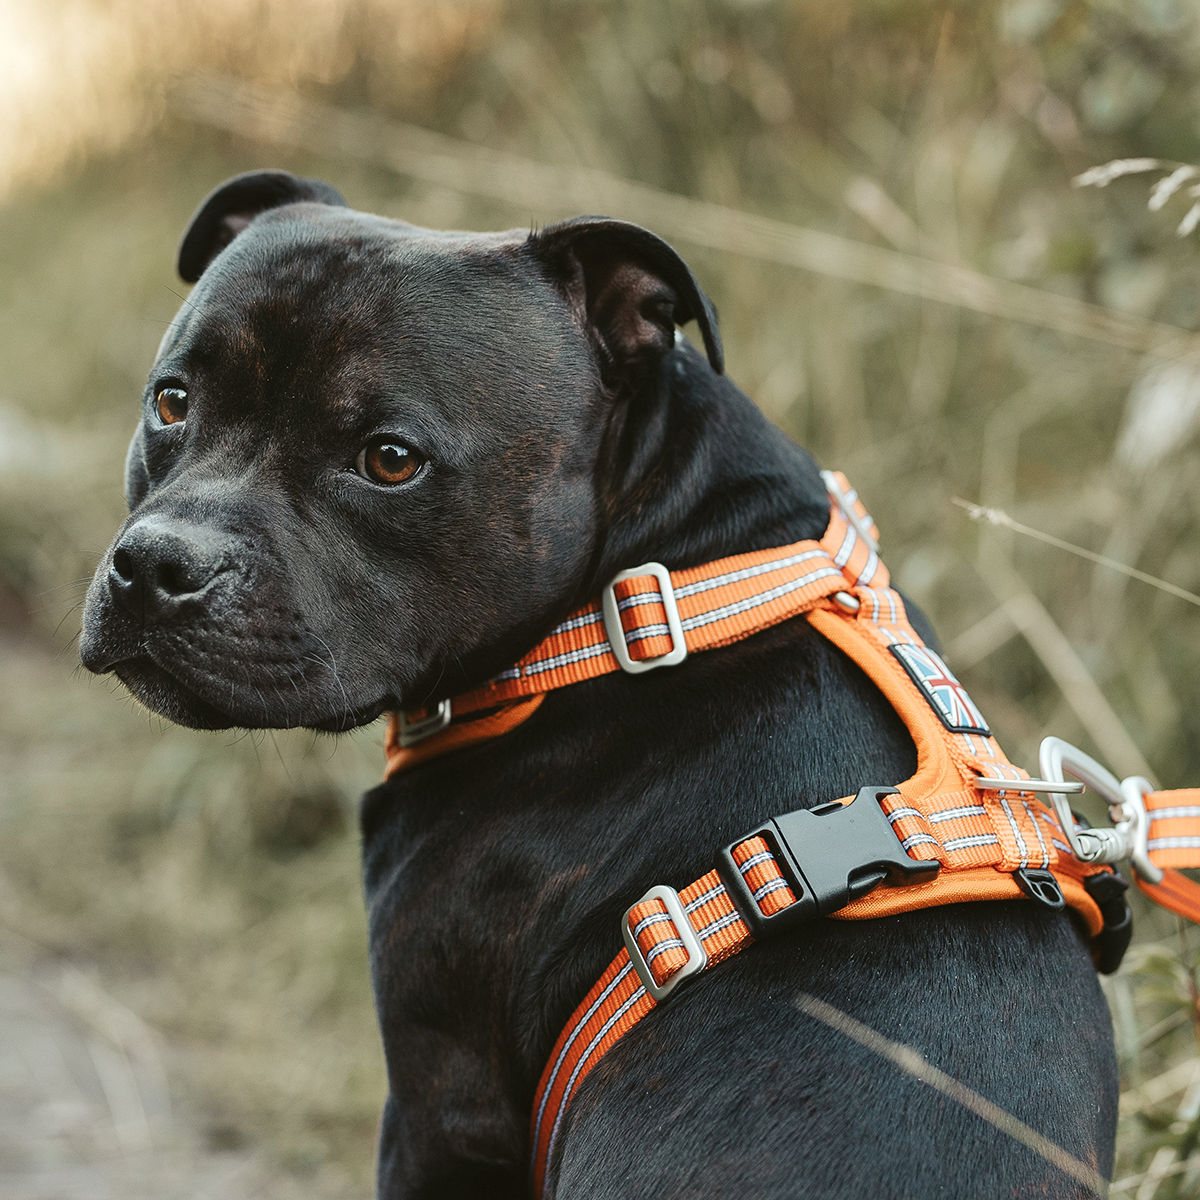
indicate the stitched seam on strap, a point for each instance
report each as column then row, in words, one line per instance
column 646, row 631
column 579, row 622
column 842, row 557
column 719, row 924
column 979, row 839
column 753, row 861
column 952, row 814
column 571, row 656
column 918, row 839
column 1038, row 833
column 772, row 885
column 1022, row 849
column 638, row 599
column 648, row 920
column 648, row 956
column 704, row 898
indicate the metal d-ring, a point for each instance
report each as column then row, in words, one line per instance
column 412, row 732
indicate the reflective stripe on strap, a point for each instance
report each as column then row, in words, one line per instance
column 618, row 1001
column 718, row 603
column 1173, row 840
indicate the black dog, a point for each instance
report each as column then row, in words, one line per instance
column 376, row 464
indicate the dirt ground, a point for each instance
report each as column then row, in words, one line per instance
column 86, row 1110
column 204, row 1091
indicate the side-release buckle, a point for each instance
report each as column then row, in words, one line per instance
column 829, row 856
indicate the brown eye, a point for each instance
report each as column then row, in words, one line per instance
column 171, row 404
column 388, row 462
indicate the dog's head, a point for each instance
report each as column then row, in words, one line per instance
column 372, row 456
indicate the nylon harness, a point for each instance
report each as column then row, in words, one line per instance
column 963, row 828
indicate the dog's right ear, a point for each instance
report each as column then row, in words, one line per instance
column 225, row 212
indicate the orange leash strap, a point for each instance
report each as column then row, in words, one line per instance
column 1173, row 840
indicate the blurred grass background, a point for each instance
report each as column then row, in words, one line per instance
column 205, row 887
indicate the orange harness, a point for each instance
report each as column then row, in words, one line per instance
column 967, row 826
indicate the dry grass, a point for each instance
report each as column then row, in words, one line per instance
column 210, row 877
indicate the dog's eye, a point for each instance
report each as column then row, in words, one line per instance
column 388, row 461
column 171, row 403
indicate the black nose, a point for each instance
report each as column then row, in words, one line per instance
column 159, row 562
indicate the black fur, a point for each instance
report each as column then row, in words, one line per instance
column 568, row 436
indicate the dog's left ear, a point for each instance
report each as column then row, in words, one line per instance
column 630, row 287
column 227, row 210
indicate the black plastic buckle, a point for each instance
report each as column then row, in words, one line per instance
column 830, row 856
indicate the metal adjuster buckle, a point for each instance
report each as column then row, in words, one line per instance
column 1128, row 838
column 857, row 523
column 829, row 856
column 616, row 631
column 412, row 732
column 697, row 957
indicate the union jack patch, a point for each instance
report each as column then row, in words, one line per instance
column 947, row 697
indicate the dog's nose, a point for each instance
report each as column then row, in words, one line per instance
column 159, row 562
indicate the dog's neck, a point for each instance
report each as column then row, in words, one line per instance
column 689, row 472
column 695, row 472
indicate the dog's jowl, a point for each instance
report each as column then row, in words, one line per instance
column 377, row 467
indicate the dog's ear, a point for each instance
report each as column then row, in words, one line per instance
column 225, row 212
column 630, row 287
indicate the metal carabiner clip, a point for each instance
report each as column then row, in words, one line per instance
column 1128, row 837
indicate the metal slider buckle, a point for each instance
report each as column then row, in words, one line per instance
column 829, row 856
column 697, row 956
column 1128, row 838
column 412, row 732
column 616, row 631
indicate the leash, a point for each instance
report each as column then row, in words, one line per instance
column 967, row 826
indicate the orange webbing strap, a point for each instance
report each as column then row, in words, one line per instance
column 978, row 836
column 619, row 1000
column 718, row 603
column 479, row 727
column 1173, row 841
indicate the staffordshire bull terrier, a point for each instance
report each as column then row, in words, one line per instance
column 375, row 465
